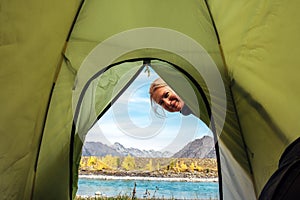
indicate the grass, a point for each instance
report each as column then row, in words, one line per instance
column 104, row 198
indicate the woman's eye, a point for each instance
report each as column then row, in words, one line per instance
column 166, row 95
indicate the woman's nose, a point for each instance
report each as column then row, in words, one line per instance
column 167, row 101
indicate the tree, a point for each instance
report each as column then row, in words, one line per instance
column 95, row 163
column 158, row 166
column 172, row 164
column 91, row 161
column 192, row 167
column 118, row 162
column 149, row 165
column 198, row 168
column 82, row 163
column 111, row 161
column 183, row 166
column 99, row 165
column 128, row 163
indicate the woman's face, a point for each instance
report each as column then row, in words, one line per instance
column 168, row 99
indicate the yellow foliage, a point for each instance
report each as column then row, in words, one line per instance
column 93, row 163
column 98, row 166
column 82, row 163
column 177, row 165
column 196, row 167
column 192, row 166
column 183, row 167
column 110, row 161
column 158, row 166
column 92, row 160
column 199, row 168
column 149, row 165
column 128, row 163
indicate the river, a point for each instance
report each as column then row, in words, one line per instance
column 156, row 188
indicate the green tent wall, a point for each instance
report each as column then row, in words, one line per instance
column 44, row 46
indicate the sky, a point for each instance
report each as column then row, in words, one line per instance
column 132, row 122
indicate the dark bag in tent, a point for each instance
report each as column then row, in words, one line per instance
column 284, row 184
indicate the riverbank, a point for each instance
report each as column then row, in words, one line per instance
column 180, row 169
column 196, row 176
column 107, row 177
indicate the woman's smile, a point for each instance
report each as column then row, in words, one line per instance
column 168, row 99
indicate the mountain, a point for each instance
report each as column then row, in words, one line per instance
column 98, row 149
column 117, row 149
column 140, row 153
column 199, row 148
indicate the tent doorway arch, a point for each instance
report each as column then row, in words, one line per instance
column 167, row 70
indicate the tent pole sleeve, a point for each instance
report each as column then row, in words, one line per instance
column 238, row 120
column 213, row 21
column 213, row 128
column 75, row 19
column 230, row 89
column 40, row 141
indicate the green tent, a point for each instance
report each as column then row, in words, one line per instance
column 64, row 62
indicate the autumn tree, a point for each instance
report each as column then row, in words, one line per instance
column 158, row 166
column 183, row 166
column 82, row 164
column 91, row 161
column 149, row 165
column 197, row 167
column 99, row 165
column 118, row 162
column 128, row 163
column 110, row 161
column 95, row 163
column 180, row 166
column 192, row 166
column 172, row 164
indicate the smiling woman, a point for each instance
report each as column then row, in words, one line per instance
column 161, row 94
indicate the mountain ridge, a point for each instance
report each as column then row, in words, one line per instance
column 198, row 148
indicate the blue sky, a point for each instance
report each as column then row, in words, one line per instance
column 132, row 122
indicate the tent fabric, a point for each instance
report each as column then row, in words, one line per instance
column 99, row 96
column 253, row 47
column 87, row 31
column 261, row 56
column 59, row 132
column 32, row 37
column 236, row 181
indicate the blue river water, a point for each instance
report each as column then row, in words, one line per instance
column 157, row 189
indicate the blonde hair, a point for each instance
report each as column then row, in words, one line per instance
column 157, row 83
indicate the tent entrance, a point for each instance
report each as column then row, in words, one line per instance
column 183, row 133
